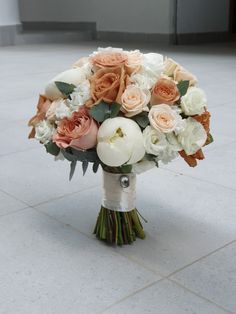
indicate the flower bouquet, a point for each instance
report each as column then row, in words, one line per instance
column 126, row 112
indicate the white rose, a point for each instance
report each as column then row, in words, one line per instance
column 120, row 141
column 73, row 76
column 165, row 118
column 153, row 62
column 152, row 67
column 193, row 137
column 58, row 110
column 134, row 100
column 154, row 140
column 44, row 131
column 80, row 95
column 194, row 101
column 144, row 79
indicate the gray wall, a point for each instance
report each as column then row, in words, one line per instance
column 9, row 14
column 150, row 16
column 201, row 16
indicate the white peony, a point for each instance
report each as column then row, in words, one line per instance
column 73, row 76
column 194, row 101
column 80, row 95
column 120, row 141
column 193, row 137
column 44, row 131
column 154, row 140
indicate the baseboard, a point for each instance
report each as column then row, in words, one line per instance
column 8, row 34
column 135, row 37
column 201, row 38
column 59, row 26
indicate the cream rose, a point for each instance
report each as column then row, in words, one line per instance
column 165, row 119
column 154, row 140
column 194, row 101
column 134, row 100
column 44, row 131
column 193, row 137
column 134, row 61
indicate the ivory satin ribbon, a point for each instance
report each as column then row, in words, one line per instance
column 116, row 197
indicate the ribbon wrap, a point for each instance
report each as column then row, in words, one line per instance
column 119, row 191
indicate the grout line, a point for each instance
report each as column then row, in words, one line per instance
column 65, row 195
column 49, row 200
column 14, row 212
column 200, row 258
column 130, row 295
column 19, row 151
column 199, row 179
column 201, row 297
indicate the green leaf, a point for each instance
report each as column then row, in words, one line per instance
column 95, row 166
column 183, row 87
column 115, row 109
column 65, row 88
column 100, row 112
column 142, row 120
column 126, row 168
column 72, row 169
column 68, row 155
column 84, row 166
column 52, row 148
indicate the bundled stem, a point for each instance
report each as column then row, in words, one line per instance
column 118, row 228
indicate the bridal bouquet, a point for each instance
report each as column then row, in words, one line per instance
column 125, row 111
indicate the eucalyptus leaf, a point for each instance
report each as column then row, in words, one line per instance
column 84, row 166
column 115, row 109
column 100, row 112
column 65, row 88
column 142, row 120
column 72, row 169
column 183, row 87
column 95, row 166
column 52, row 148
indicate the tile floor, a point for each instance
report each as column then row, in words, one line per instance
column 49, row 260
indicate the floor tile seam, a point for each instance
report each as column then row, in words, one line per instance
column 18, row 152
column 221, row 307
column 14, row 212
column 93, row 239
column 49, row 200
column 131, row 295
column 200, row 179
column 205, row 256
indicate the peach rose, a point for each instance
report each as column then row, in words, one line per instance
column 165, row 119
column 78, row 131
column 134, row 100
column 165, row 91
column 134, row 61
column 107, row 85
column 106, row 59
column 181, row 74
column 42, row 108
